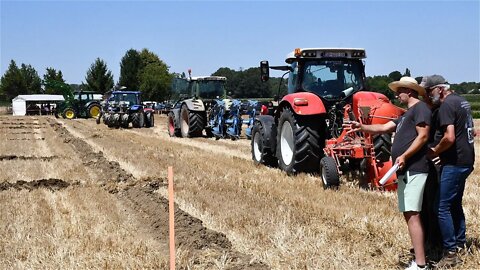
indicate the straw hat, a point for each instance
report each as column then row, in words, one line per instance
column 407, row 82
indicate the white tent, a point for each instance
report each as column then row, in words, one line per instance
column 19, row 103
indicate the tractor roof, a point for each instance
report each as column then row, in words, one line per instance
column 125, row 92
column 318, row 53
column 208, row 78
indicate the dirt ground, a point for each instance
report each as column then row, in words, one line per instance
column 75, row 194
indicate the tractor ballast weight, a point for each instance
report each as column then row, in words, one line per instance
column 124, row 107
column 310, row 130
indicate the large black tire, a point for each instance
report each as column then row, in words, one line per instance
column 149, row 119
column 329, row 173
column 138, row 120
column 260, row 153
column 192, row 123
column 94, row 110
column 69, row 113
column 382, row 145
column 124, row 121
column 299, row 144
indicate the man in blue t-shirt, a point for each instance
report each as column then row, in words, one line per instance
column 457, row 156
column 409, row 150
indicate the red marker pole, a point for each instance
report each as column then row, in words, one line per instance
column 171, row 216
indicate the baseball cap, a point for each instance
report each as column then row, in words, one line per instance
column 430, row 81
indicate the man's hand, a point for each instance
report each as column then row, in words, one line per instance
column 355, row 126
column 431, row 153
column 433, row 156
column 400, row 161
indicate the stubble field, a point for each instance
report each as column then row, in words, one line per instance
column 78, row 195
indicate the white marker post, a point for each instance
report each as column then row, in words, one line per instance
column 171, row 217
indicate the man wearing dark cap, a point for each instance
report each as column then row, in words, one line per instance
column 409, row 151
column 456, row 151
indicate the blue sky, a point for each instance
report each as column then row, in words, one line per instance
column 428, row 37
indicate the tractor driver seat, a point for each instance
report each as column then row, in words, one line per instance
column 332, row 87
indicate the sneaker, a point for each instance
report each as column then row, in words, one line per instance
column 414, row 266
column 406, row 258
column 462, row 250
column 450, row 259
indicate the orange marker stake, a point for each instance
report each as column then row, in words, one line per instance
column 171, row 216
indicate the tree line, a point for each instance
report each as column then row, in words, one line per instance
column 145, row 71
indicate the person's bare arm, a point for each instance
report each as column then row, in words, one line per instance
column 447, row 140
column 373, row 129
column 417, row 144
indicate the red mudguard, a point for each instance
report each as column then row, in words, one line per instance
column 304, row 103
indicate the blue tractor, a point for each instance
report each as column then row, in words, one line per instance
column 124, row 107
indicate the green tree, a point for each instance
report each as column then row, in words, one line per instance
column 395, row 75
column 99, row 78
column 11, row 82
column 232, row 80
column 407, row 73
column 31, row 81
column 130, row 67
column 380, row 84
column 20, row 81
column 155, row 80
column 53, row 75
column 155, row 83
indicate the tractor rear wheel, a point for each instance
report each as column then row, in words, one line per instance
column 138, row 120
column 149, row 119
column 192, row 123
column 329, row 173
column 172, row 130
column 69, row 113
column 299, row 145
column 261, row 154
column 93, row 110
column 382, row 145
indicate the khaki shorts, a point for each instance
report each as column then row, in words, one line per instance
column 410, row 191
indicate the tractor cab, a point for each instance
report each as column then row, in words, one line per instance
column 329, row 73
column 210, row 87
column 205, row 88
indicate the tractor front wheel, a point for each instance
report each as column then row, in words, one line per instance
column 69, row 113
column 138, row 120
column 298, row 142
column 329, row 173
column 261, row 154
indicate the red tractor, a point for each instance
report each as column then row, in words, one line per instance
column 310, row 132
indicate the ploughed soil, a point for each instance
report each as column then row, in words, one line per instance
column 152, row 208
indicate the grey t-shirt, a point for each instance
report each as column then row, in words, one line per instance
column 456, row 111
column 406, row 133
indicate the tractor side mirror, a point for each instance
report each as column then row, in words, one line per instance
column 264, row 71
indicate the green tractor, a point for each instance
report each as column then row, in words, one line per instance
column 76, row 104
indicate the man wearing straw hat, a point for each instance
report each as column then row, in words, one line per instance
column 409, row 150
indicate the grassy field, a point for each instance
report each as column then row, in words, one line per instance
column 79, row 195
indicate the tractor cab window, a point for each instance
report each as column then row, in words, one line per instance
column 332, row 79
column 130, row 98
column 79, row 96
column 292, row 78
column 211, row 89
